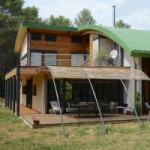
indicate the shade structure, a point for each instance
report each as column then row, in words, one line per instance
column 113, row 73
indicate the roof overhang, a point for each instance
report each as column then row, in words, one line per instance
column 113, row 73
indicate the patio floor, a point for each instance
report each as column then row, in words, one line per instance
column 54, row 119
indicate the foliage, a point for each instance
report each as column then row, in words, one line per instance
column 138, row 104
column 122, row 24
column 84, row 18
column 58, row 21
column 1, row 87
column 102, row 54
column 12, row 14
column 68, row 93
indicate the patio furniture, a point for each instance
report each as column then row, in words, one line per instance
column 113, row 107
column 125, row 109
column 55, row 107
column 148, row 108
column 71, row 108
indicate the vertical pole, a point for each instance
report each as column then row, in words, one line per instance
column 94, row 94
column 131, row 103
column 13, row 96
column 18, row 90
column 114, row 16
column 5, row 92
column 10, row 93
column 58, row 100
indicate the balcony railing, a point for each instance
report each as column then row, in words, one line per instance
column 66, row 60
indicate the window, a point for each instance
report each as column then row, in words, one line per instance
column 75, row 39
column 24, row 87
column 78, row 59
column 50, row 37
column 43, row 57
column 50, row 59
column 36, row 59
column 36, row 36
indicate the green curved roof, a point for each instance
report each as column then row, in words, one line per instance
column 135, row 42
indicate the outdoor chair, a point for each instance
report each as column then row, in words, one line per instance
column 113, row 107
column 55, row 107
column 148, row 108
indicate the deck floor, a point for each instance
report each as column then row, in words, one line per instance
column 54, row 119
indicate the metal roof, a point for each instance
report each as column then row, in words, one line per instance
column 135, row 42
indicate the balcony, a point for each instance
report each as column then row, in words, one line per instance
column 67, row 60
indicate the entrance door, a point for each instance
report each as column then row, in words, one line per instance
column 146, row 84
column 29, row 93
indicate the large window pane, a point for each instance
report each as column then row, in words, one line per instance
column 50, row 60
column 78, row 59
column 35, row 59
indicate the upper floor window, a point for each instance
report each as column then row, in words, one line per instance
column 50, row 37
column 76, row 39
column 36, row 36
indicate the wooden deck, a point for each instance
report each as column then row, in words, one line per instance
column 54, row 119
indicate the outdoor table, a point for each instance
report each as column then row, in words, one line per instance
column 83, row 107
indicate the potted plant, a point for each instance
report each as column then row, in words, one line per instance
column 35, row 121
column 101, row 57
column 138, row 105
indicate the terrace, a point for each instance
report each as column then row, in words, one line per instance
column 54, row 119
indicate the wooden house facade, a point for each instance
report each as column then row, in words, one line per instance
column 72, row 56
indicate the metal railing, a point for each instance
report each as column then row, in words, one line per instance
column 38, row 59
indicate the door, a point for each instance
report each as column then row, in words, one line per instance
column 29, row 93
column 146, row 84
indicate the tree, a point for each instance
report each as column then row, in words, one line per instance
column 84, row 18
column 12, row 14
column 59, row 21
column 122, row 24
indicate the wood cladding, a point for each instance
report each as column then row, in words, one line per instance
column 62, row 45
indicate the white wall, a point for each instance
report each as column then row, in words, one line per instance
column 24, row 51
column 38, row 101
column 130, row 61
column 24, row 47
column 22, row 96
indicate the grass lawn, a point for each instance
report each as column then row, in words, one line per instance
column 15, row 135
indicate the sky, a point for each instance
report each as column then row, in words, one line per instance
column 134, row 12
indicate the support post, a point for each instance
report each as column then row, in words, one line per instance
column 18, row 90
column 94, row 94
column 58, row 100
column 13, row 93
column 131, row 103
column 5, row 93
column 10, row 93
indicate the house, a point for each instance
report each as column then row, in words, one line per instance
column 74, row 56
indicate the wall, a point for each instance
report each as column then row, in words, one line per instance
column 132, row 84
column 63, row 45
column 38, row 101
column 24, row 52
column 22, row 96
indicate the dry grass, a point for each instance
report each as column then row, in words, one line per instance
column 15, row 135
